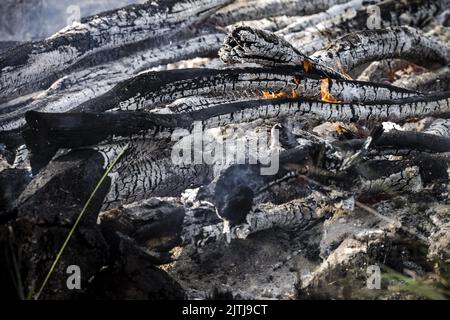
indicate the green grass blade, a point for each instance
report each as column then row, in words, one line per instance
column 72, row 230
column 426, row 291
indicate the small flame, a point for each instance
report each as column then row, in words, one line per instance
column 272, row 95
column 341, row 130
column 307, row 66
column 324, row 91
column 266, row 94
column 294, row 93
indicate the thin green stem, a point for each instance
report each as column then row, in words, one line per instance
column 69, row 236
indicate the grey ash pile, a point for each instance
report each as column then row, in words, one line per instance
column 270, row 149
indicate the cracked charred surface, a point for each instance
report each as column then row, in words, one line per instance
column 257, row 9
column 71, row 90
column 407, row 43
column 387, row 13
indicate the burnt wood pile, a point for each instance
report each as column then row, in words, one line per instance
column 324, row 149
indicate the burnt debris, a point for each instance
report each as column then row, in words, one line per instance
column 261, row 148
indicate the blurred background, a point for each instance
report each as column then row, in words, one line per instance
column 25, row 20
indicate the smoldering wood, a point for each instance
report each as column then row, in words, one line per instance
column 250, row 10
column 22, row 120
column 15, row 119
column 393, row 13
column 334, row 13
column 298, row 214
column 137, row 122
column 72, row 90
column 161, row 218
column 369, row 176
column 162, row 177
column 159, row 88
column 439, row 127
column 361, row 47
column 407, row 177
column 246, row 44
column 64, row 130
column 34, row 66
column 249, row 45
column 430, row 140
column 271, row 23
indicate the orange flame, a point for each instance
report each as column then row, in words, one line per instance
column 272, row 95
column 325, row 93
column 341, row 130
column 307, row 66
column 266, row 94
column 294, row 93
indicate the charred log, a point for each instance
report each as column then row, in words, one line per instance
column 387, row 13
column 152, row 89
column 64, row 130
column 245, row 44
column 407, row 43
column 248, row 45
column 249, row 10
column 72, row 90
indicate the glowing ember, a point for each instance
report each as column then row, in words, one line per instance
column 341, row 130
column 272, row 95
column 294, row 93
column 325, row 93
column 307, row 66
column 266, row 94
